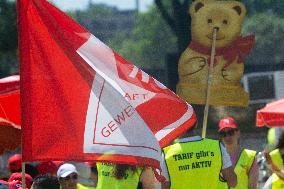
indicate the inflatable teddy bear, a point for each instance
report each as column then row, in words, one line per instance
column 228, row 66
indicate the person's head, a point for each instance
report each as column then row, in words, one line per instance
column 16, row 184
column 228, row 131
column 18, row 177
column 48, row 167
column 67, row 175
column 46, row 181
column 15, row 163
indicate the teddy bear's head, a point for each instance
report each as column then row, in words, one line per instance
column 225, row 16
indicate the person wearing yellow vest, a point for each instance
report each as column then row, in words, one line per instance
column 276, row 159
column 196, row 163
column 243, row 160
column 271, row 137
column 123, row 176
column 274, row 182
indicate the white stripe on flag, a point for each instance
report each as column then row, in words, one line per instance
column 134, row 72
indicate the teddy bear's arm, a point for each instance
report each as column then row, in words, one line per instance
column 190, row 64
column 233, row 72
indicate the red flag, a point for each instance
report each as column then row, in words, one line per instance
column 82, row 101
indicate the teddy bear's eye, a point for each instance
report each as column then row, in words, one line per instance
column 209, row 21
column 225, row 22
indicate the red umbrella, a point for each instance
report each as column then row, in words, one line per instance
column 10, row 113
column 10, row 99
column 10, row 135
column 9, row 84
column 271, row 115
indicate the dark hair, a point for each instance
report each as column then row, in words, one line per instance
column 46, row 181
column 29, row 169
column 94, row 169
column 119, row 170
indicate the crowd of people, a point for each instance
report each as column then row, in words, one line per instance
column 50, row 175
column 189, row 162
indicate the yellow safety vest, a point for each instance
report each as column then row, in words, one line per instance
column 81, row 186
column 277, row 183
column 271, row 136
column 107, row 181
column 277, row 159
column 242, row 169
column 194, row 164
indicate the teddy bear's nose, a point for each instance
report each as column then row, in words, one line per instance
column 217, row 28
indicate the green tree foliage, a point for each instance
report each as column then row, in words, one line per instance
column 269, row 32
column 259, row 6
column 105, row 21
column 175, row 13
column 142, row 38
column 8, row 38
column 8, row 28
column 149, row 41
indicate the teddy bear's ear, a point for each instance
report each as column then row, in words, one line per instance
column 195, row 6
column 239, row 8
column 198, row 6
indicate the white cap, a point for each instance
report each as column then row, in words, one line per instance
column 65, row 170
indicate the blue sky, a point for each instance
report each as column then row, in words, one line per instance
column 121, row 4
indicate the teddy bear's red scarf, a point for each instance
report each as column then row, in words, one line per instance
column 238, row 49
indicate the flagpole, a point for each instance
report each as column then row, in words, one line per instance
column 23, row 175
column 209, row 81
